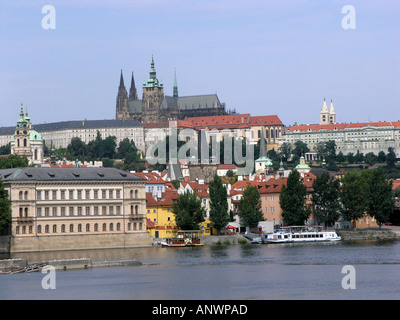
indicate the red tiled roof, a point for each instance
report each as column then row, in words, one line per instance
column 227, row 167
column 150, row 224
column 265, row 120
column 342, row 126
column 167, row 199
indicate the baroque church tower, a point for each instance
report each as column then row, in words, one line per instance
column 153, row 95
column 27, row 142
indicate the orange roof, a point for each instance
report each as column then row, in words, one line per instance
column 227, row 167
column 265, row 121
column 220, row 121
column 150, row 224
column 150, row 177
column 167, row 199
column 342, row 126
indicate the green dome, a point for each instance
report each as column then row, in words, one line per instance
column 35, row 136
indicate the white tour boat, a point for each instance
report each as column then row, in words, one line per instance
column 300, row 234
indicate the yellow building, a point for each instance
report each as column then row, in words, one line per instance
column 159, row 212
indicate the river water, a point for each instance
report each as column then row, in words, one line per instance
column 225, row 272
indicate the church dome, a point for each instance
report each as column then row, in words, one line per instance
column 35, row 136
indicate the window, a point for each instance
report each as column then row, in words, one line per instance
column 103, row 194
column 63, row 228
column 71, row 194
column 39, row 212
column 118, row 210
column 46, row 228
column 104, row 227
column 118, row 226
column 96, row 210
column 111, row 210
column 87, row 227
column 104, row 210
column 87, row 211
column 96, row 227
column 79, row 228
column 62, row 194
column 54, row 195
column 39, row 195
column 62, row 211
column 136, row 194
column 47, row 211
column 110, row 194
column 54, row 211
column 131, row 193
column 118, row 194
column 26, row 195
column 96, row 194
column 79, row 211
column 54, row 228
column 111, row 227
column 39, row 229
column 79, row 194
column 71, row 228
column 71, row 211
column 87, row 194
column 46, row 195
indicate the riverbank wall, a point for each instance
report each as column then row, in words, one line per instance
column 20, row 265
column 384, row 233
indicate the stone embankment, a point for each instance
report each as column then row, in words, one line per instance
column 8, row 266
column 384, row 233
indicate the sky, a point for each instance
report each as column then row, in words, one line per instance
column 261, row 57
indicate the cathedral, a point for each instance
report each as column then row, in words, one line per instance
column 157, row 107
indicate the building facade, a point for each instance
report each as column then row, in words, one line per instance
column 349, row 137
column 75, row 208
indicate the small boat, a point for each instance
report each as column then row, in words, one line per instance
column 300, row 234
column 184, row 238
column 253, row 237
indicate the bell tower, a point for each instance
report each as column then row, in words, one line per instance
column 153, row 95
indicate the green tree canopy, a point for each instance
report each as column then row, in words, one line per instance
column 293, row 200
column 354, row 195
column 5, row 209
column 219, row 215
column 250, row 207
column 380, row 199
column 326, row 199
column 189, row 211
column 13, row 161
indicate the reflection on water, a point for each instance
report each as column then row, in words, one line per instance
column 276, row 271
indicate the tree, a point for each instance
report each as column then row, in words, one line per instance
column 380, row 199
column 250, row 207
column 293, row 201
column 354, row 195
column 390, row 157
column 381, row 157
column 300, row 148
column 286, row 150
column 370, row 158
column 5, row 208
column 188, row 210
column 77, row 148
column 330, row 151
column 218, row 204
column 13, row 161
column 326, row 199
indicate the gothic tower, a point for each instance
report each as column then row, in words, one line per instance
column 132, row 91
column 175, row 94
column 332, row 114
column 122, row 110
column 153, row 95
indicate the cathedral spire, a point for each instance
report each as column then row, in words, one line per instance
column 132, row 91
column 175, row 94
column 121, row 81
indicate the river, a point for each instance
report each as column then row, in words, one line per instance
column 228, row 272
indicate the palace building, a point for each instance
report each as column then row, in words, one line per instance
column 75, row 208
column 155, row 106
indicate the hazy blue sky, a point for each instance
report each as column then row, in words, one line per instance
column 261, row 57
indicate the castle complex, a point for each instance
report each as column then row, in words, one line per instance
column 157, row 107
